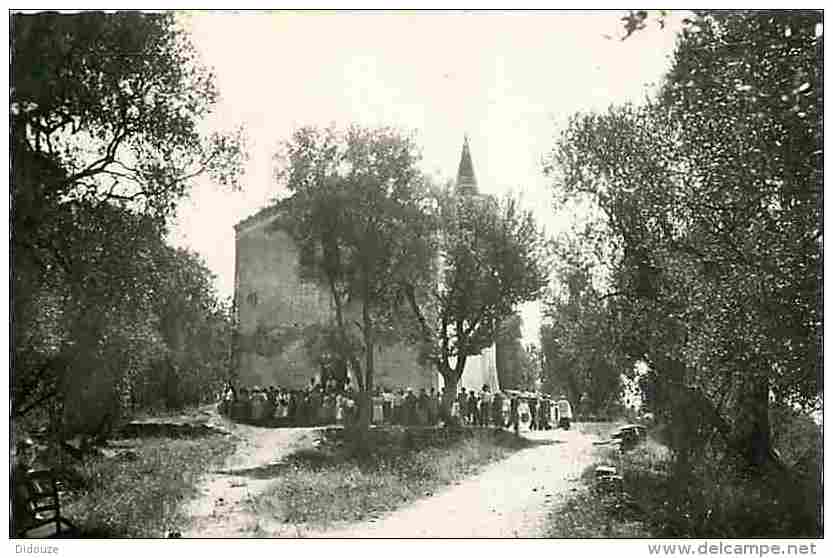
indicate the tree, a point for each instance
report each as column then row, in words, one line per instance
column 105, row 113
column 712, row 193
column 530, row 368
column 509, row 352
column 492, row 258
column 196, row 327
column 107, row 107
column 133, row 323
column 518, row 365
column 582, row 357
column 760, row 74
column 359, row 216
column 371, row 228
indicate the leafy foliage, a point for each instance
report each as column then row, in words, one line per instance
column 378, row 235
column 518, row 367
column 718, row 502
column 492, row 258
column 579, row 358
column 115, row 102
column 106, row 112
column 508, row 351
column 357, row 213
column 712, row 193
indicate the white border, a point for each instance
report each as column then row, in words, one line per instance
column 141, row 548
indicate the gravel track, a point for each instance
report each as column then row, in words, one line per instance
column 510, row 498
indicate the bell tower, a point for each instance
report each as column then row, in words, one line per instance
column 466, row 182
column 480, row 369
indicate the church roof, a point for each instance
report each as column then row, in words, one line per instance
column 262, row 215
column 466, row 181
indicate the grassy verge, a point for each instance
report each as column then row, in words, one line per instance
column 593, row 514
column 589, row 515
column 715, row 499
column 320, row 488
column 140, row 494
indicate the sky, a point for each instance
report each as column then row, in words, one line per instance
column 509, row 80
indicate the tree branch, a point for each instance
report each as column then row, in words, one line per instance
column 411, row 297
column 34, row 404
column 613, row 294
column 109, row 157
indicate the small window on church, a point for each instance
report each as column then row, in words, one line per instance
column 251, row 298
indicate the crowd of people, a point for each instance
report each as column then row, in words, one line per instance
column 507, row 409
column 336, row 402
column 319, row 403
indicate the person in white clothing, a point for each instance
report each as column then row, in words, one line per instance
column 377, row 402
column 565, row 413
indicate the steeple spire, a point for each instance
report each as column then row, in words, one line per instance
column 466, row 182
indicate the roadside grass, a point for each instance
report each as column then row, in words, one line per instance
column 592, row 514
column 321, row 489
column 717, row 500
column 713, row 498
column 589, row 515
column 140, row 493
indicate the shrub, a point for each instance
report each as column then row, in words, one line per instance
column 141, row 496
column 715, row 497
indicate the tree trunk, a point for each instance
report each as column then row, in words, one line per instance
column 356, row 367
column 504, row 371
column 367, row 329
column 456, row 374
column 450, row 394
column 753, row 425
column 349, row 356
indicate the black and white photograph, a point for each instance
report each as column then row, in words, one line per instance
column 417, row 274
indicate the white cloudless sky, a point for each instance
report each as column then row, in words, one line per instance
column 507, row 79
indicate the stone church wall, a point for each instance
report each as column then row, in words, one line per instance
column 274, row 306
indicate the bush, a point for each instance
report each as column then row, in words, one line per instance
column 717, row 498
column 140, row 494
column 718, row 504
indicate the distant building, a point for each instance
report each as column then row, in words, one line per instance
column 274, row 307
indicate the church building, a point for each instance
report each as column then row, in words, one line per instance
column 274, row 308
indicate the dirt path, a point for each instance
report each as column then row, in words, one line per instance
column 221, row 510
column 509, row 499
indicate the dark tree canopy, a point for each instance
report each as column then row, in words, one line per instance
column 107, row 113
column 373, row 230
column 358, row 213
column 712, row 193
column 492, row 259
column 579, row 338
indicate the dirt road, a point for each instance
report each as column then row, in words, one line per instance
column 221, row 510
column 510, row 498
